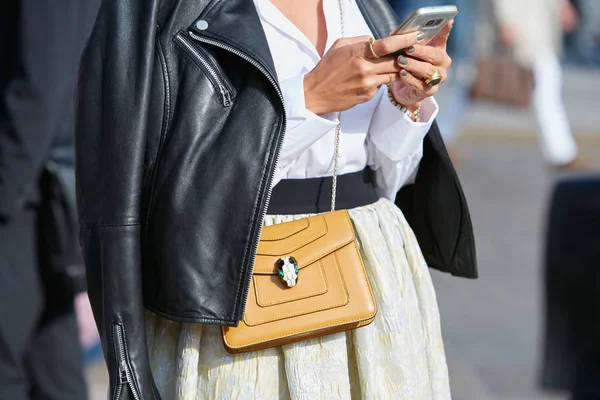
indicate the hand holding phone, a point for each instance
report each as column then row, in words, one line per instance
column 423, row 66
column 354, row 69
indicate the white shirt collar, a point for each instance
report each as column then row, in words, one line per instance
column 272, row 16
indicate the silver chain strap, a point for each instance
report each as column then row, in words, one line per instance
column 338, row 129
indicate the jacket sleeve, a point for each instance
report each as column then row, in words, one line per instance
column 113, row 101
column 437, row 211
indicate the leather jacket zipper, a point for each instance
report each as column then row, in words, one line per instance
column 213, row 74
column 124, row 378
column 275, row 84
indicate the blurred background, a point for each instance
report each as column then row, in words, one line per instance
column 521, row 117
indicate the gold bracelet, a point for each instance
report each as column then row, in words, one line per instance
column 414, row 115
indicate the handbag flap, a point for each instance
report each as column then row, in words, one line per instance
column 271, row 290
column 322, row 235
column 284, row 231
column 304, row 298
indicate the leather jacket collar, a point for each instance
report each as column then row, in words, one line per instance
column 236, row 23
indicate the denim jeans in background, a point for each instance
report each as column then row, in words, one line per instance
column 587, row 38
column 461, row 46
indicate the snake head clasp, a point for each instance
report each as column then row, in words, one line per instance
column 288, row 270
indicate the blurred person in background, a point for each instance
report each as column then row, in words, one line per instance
column 572, row 288
column 533, row 30
column 40, row 46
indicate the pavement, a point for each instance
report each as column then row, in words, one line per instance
column 493, row 326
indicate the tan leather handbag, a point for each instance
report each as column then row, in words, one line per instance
column 308, row 279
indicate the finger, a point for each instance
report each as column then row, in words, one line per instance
column 385, row 65
column 441, row 39
column 386, row 79
column 416, row 83
column 419, row 68
column 429, row 54
column 391, row 44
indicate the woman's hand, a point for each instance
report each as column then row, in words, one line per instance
column 350, row 74
column 419, row 64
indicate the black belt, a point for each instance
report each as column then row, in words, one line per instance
column 313, row 195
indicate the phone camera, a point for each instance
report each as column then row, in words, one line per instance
column 433, row 23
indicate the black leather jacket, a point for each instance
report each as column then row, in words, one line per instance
column 179, row 125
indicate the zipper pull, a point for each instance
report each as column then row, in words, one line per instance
column 227, row 102
column 123, row 375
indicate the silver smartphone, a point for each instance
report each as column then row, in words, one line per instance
column 429, row 20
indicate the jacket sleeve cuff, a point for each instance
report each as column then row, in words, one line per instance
column 395, row 134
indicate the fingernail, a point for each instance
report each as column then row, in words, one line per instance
column 420, row 36
column 404, row 72
column 411, row 50
column 402, row 60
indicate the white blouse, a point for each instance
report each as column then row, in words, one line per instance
column 375, row 133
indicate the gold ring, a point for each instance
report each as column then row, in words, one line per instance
column 435, row 78
column 390, row 81
column 371, row 43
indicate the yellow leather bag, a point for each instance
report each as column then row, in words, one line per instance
column 308, row 280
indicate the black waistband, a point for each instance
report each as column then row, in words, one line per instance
column 307, row 196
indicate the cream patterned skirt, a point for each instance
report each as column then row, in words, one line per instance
column 399, row 356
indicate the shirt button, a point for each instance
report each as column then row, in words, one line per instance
column 201, row 25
